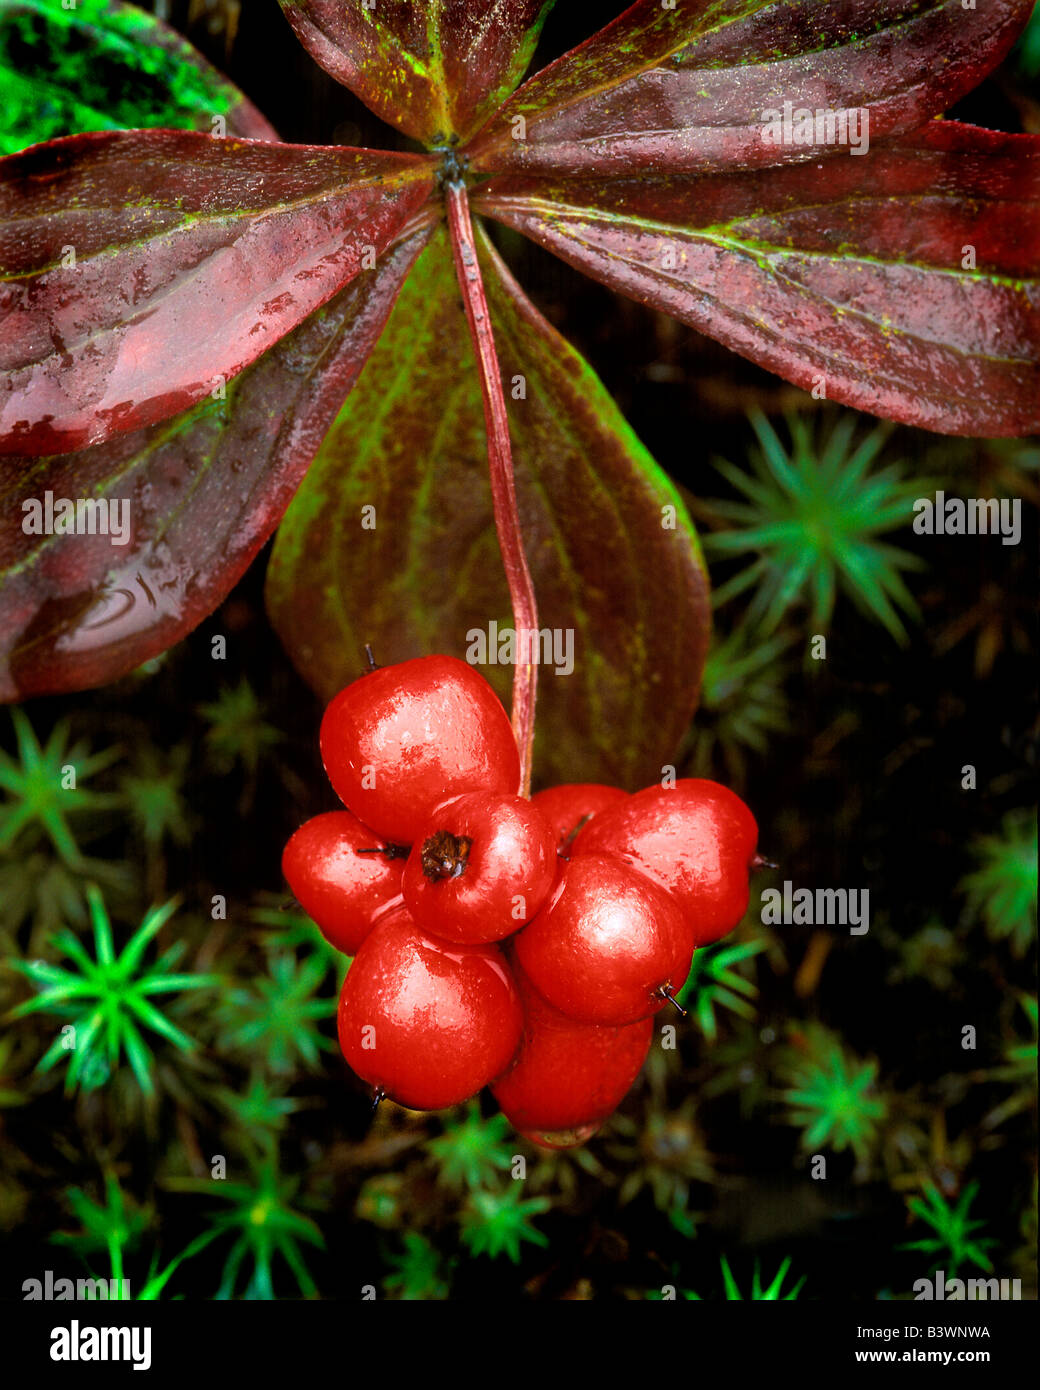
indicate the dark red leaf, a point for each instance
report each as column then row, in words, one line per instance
column 853, row 276
column 433, row 68
column 689, row 87
column 192, row 256
column 203, row 492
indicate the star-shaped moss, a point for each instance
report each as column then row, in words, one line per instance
column 44, row 789
column 107, row 1000
column 811, row 516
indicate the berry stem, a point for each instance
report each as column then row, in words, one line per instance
column 572, row 835
column 500, row 463
column 666, row 993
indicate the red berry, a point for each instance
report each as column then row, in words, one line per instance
column 404, row 738
column 607, row 945
column 481, row 866
column 426, row 1024
column 568, row 1075
column 560, row 1138
column 567, row 806
column 346, row 892
column 696, row 838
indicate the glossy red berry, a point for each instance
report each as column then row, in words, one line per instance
column 481, row 866
column 560, row 1138
column 568, row 1076
column 404, row 738
column 608, row 945
column 567, row 806
column 427, row 1024
column 697, row 839
column 344, row 889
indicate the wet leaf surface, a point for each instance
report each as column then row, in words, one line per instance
column 846, row 275
column 433, row 68
column 391, row 541
column 200, row 495
column 141, row 266
column 688, row 87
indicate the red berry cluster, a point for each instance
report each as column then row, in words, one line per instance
column 521, row 944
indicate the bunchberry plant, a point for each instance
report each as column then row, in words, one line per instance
column 811, row 516
column 794, row 254
column 108, row 1000
column 902, row 280
column 956, row 1240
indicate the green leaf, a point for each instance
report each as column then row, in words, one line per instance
column 390, row 538
column 107, row 66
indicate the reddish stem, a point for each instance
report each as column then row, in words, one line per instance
column 500, row 462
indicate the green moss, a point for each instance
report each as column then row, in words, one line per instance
column 102, row 66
